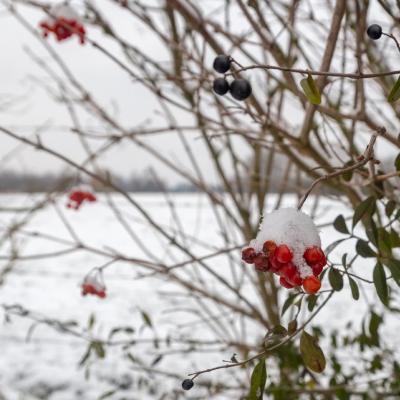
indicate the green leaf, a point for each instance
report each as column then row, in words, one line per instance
column 292, row 327
column 394, row 267
column 335, row 279
column 86, row 356
column 391, row 204
column 312, row 354
column 312, row 301
column 394, row 94
column 365, row 207
column 288, row 302
column 146, row 319
column 355, row 292
column 380, row 283
column 99, row 349
column 344, row 260
column 311, row 90
column 340, row 224
column 364, row 250
column 257, row 381
column 397, row 161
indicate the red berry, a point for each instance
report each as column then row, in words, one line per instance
column 287, row 271
column 269, row 247
column 283, row 254
column 261, row 262
column 285, row 283
column 314, row 255
column 296, row 279
column 317, row 269
column 311, row 284
column 248, row 255
column 291, row 274
column 275, row 265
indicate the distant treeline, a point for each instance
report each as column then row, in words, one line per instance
column 11, row 181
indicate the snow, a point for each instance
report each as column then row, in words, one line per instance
column 48, row 361
column 291, row 227
column 64, row 11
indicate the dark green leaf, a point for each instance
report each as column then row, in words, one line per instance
column 364, row 250
column 146, row 318
column 333, row 246
column 394, row 267
column 340, row 224
column 312, row 354
column 380, row 283
column 397, row 162
column 99, row 349
column 292, row 327
column 390, row 205
column 374, row 323
column 394, row 238
column 257, row 381
column 86, row 356
column 288, row 302
column 107, row 394
column 312, row 301
column 311, row 90
column 344, row 260
column 395, row 92
column 364, row 208
column 355, row 292
column 335, row 279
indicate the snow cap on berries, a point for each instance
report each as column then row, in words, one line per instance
column 293, row 228
column 62, row 11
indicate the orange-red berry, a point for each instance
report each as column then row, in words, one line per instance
column 311, row 284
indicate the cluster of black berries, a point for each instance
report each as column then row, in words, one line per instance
column 374, row 31
column 240, row 89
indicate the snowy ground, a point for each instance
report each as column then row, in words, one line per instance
column 45, row 365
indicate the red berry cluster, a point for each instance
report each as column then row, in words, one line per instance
column 278, row 260
column 64, row 28
column 77, row 197
column 93, row 284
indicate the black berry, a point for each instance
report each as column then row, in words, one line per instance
column 374, row 31
column 187, row 384
column 240, row 89
column 221, row 86
column 222, row 63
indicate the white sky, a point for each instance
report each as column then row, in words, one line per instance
column 132, row 103
column 108, row 84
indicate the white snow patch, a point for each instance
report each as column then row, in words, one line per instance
column 62, row 11
column 291, row 227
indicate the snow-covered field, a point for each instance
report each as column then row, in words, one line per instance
column 44, row 363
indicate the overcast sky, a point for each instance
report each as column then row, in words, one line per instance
column 20, row 78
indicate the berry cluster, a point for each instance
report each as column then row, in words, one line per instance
column 78, row 195
column 240, row 89
column 278, row 259
column 64, row 23
column 93, row 284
